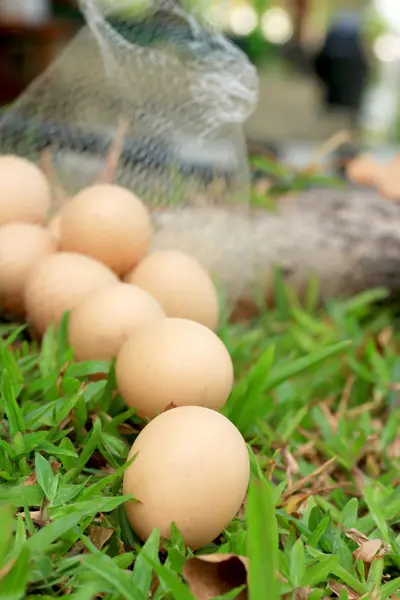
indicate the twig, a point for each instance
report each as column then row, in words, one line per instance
column 338, row 139
column 107, row 174
column 46, row 164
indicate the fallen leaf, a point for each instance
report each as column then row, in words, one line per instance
column 99, row 536
column 32, row 479
column 338, row 587
column 126, row 429
column 78, row 548
column 216, row 574
column 368, row 550
column 394, row 449
column 291, row 465
column 37, row 517
column 293, row 505
column 326, row 468
column 357, row 537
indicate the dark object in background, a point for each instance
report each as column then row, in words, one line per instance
column 342, row 65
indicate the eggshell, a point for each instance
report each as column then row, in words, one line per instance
column 58, row 283
column 99, row 324
column 54, row 226
column 25, row 194
column 363, row 170
column 180, row 284
column 387, row 179
column 22, row 245
column 173, row 361
column 192, row 467
column 109, row 223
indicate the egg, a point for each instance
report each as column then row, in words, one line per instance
column 109, row 223
column 22, row 245
column 58, row 283
column 191, row 468
column 363, row 170
column 175, row 361
column 54, row 226
column 180, row 284
column 99, row 324
column 25, row 194
column 388, row 180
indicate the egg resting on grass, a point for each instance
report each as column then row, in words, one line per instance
column 192, row 468
column 99, row 325
column 54, row 226
column 22, row 246
column 108, row 223
column 180, row 284
column 175, row 361
column 25, row 194
column 58, row 283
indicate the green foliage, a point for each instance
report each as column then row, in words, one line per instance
column 316, row 397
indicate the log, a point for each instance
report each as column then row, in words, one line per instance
column 349, row 239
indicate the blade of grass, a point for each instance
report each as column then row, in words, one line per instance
column 262, row 542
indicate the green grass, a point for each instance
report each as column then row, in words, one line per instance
column 317, row 399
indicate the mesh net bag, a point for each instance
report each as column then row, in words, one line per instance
column 159, row 83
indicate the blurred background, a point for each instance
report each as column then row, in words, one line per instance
column 324, row 65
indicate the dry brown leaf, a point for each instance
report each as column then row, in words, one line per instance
column 338, row 587
column 99, row 536
column 291, row 465
column 216, row 574
column 302, row 593
column 345, row 399
column 359, row 478
column 301, row 483
column 372, row 467
column 367, row 552
column 126, row 429
column 37, row 517
column 32, row 479
column 356, row 536
column 78, row 548
column 294, row 503
column 384, row 338
column 394, row 449
column 330, row 417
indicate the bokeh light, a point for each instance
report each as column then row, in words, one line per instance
column 276, row 26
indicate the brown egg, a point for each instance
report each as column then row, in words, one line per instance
column 58, row 283
column 54, row 226
column 25, row 194
column 180, row 284
column 99, row 324
column 387, row 179
column 192, row 468
column 175, row 361
column 108, row 223
column 22, row 245
column 363, row 170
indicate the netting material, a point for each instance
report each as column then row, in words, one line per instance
column 182, row 90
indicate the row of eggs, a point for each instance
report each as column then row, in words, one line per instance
column 157, row 313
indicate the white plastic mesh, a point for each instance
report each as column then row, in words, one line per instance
column 181, row 88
